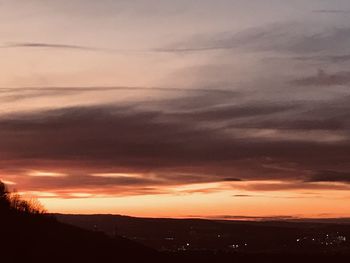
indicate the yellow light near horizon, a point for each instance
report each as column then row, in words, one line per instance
column 38, row 194
column 118, row 175
column 45, row 174
column 80, row 195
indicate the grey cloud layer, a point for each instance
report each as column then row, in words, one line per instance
column 194, row 96
column 332, row 11
column 324, row 79
column 290, row 37
column 331, row 176
column 179, row 145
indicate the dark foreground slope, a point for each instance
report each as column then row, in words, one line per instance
column 38, row 238
column 27, row 234
column 34, row 238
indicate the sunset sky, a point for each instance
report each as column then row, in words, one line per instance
column 211, row 108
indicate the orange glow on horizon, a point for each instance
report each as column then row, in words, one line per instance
column 207, row 205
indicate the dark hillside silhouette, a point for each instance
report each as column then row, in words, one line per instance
column 28, row 235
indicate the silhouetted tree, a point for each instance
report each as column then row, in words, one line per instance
column 12, row 201
column 4, row 194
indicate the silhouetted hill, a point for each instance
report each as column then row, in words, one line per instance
column 28, row 235
column 38, row 238
column 43, row 239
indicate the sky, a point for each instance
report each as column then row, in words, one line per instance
column 167, row 108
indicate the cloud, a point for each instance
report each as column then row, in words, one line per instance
column 58, row 46
column 229, row 112
column 18, row 94
column 326, row 58
column 292, row 38
column 47, row 45
column 244, row 195
column 296, row 185
column 87, row 182
column 331, row 116
column 225, row 140
column 324, row 79
column 103, row 133
column 274, row 196
column 331, row 176
column 231, row 179
column 331, row 11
